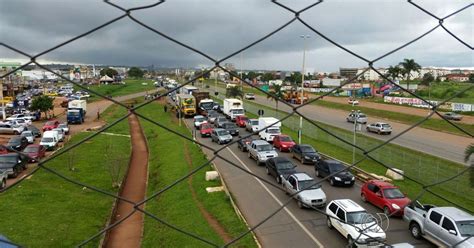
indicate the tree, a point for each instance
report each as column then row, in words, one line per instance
column 295, row 79
column 42, row 104
column 427, row 78
column 109, row 72
column 267, row 76
column 468, row 152
column 471, row 78
column 135, row 72
column 276, row 94
column 409, row 66
column 393, row 72
column 234, row 92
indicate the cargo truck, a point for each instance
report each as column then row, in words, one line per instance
column 188, row 89
column 233, row 108
column 203, row 102
column 272, row 131
column 76, row 111
column 186, row 105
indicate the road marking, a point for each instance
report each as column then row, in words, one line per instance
column 279, row 202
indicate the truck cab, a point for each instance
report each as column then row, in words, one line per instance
column 186, row 105
column 233, row 108
column 270, row 127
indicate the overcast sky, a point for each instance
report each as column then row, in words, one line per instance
column 219, row 27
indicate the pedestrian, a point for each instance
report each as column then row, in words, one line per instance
column 98, row 114
column 165, row 108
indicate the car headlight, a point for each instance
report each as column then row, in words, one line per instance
column 337, row 178
column 306, row 157
column 395, row 206
column 353, row 178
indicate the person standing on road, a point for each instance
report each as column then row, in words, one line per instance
column 165, row 108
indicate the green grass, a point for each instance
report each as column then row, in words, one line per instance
column 443, row 90
column 131, row 86
column 48, row 211
column 433, row 124
column 176, row 206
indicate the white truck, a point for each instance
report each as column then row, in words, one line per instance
column 273, row 129
column 76, row 111
column 233, row 108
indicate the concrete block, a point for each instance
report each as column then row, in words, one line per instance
column 394, row 175
column 214, row 189
column 212, row 175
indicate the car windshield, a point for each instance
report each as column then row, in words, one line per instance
column 273, row 130
column 285, row 165
column 361, row 217
column 50, row 123
column 362, row 116
column 393, row 193
column 238, row 111
column 336, row 167
column 264, row 148
column 285, row 139
column 14, row 140
column 255, row 123
column 207, row 105
column 199, row 119
column 466, row 228
column 47, row 140
column 230, row 125
column 62, row 126
column 244, row 118
column 31, row 149
column 308, row 184
column 221, row 119
column 205, row 126
column 222, row 132
column 250, row 94
column 8, row 159
column 385, row 125
column 27, row 134
column 307, row 149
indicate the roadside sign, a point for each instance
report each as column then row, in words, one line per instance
column 260, row 112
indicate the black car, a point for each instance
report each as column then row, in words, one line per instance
column 325, row 168
column 242, row 143
column 279, row 166
column 305, row 153
column 12, row 163
column 36, row 132
column 231, row 127
column 17, row 143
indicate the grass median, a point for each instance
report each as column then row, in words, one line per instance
column 171, row 157
column 131, row 86
column 48, row 211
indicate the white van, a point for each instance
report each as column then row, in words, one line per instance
column 50, row 139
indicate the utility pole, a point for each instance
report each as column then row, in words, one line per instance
column 300, row 131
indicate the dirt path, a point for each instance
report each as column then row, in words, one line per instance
column 394, row 108
column 213, row 222
column 129, row 233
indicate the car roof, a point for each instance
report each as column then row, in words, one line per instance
column 260, row 142
column 219, row 129
column 302, row 176
column 305, row 145
column 280, row 159
column 382, row 184
column 198, row 116
column 454, row 213
column 331, row 161
column 349, row 205
column 380, row 123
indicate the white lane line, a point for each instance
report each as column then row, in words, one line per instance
column 279, row 202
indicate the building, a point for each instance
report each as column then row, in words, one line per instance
column 457, row 77
column 348, row 72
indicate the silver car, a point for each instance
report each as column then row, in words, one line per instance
column 6, row 128
column 220, row 136
column 380, row 128
column 251, row 125
column 362, row 118
column 312, row 194
column 29, row 136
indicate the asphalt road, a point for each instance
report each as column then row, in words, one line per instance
column 443, row 145
column 292, row 226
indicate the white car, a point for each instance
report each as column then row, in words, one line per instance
column 354, row 223
column 19, row 122
column 64, row 127
column 61, row 134
column 249, row 96
column 379, row 127
column 198, row 120
column 29, row 136
column 353, row 101
column 312, row 194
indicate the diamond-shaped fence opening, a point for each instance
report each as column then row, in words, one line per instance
column 432, row 176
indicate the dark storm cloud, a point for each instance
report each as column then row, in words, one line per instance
column 218, row 28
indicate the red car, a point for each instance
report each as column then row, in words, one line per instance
column 50, row 125
column 206, row 129
column 35, row 152
column 384, row 195
column 241, row 120
column 3, row 150
column 283, row 142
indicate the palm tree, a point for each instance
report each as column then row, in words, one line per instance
column 234, row 92
column 394, row 72
column 408, row 66
column 276, row 94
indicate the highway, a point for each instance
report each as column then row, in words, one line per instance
column 443, row 145
column 292, row 226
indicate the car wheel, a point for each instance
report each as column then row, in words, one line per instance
column 15, row 173
column 331, row 181
column 368, row 130
column 16, row 132
column 362, row 196
column 415, row 230
column 386, row 211
column 350, row 242
column 284, row 189
column 378, row 132
column 300, row 204
column 328, row 222
column 281, row 149
column 4, row 184
column 278, row 179
column 268, row 171
column 389, row 133
column 317, row 173
column 250, row 156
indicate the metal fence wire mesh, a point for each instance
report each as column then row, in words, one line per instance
column 314, row 129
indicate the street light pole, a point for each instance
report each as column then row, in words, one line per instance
column 300, row 131
column 356, row 115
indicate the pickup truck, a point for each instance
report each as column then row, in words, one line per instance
column 261, row 150
column 443, row 226
column 3, row 179
column 312, row 196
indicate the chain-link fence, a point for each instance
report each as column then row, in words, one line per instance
column 370, row 150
